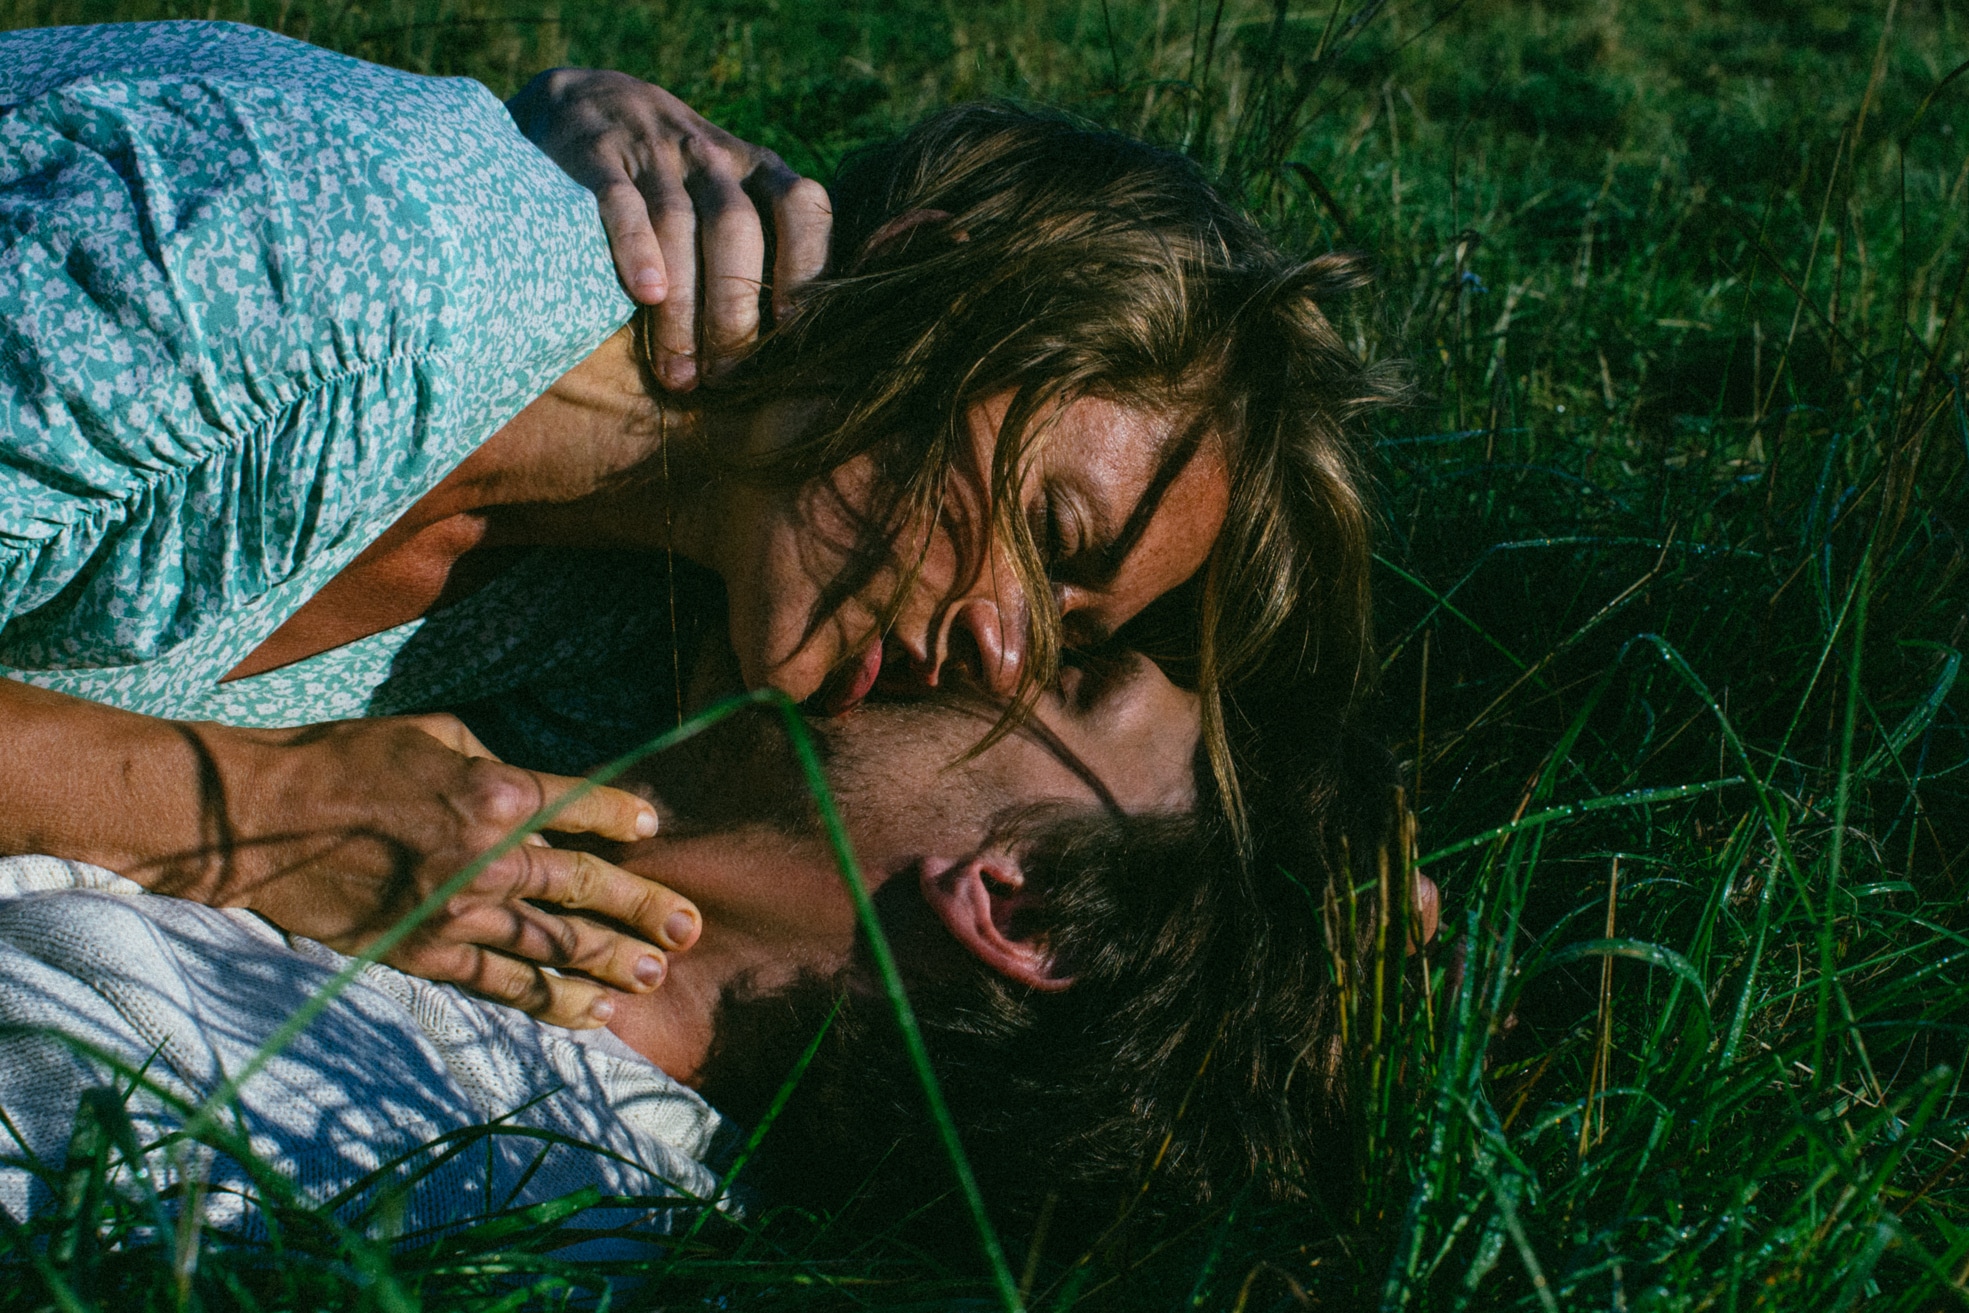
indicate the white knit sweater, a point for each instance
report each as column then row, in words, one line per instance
column 188, row 993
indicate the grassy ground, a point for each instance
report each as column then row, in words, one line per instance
column 1673, row 599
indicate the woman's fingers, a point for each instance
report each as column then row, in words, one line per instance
column 601, row 811
column 495, row 942
column 583, row 882
column 559, row 1000
column 541, row 937
column 803, row 223
column 369, row 817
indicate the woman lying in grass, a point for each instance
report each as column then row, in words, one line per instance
column 301, row 351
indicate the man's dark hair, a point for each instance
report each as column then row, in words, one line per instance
column 1194, row 1053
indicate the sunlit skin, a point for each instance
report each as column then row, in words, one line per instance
column 577, row 466
column 1121, row 739
column 1079, row 493
column 593, row 463
column 583, row 466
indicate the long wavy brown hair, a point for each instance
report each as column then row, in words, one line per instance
column 995, row 249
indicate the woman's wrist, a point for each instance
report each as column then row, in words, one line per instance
column 120, row 790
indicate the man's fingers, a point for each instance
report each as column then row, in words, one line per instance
column 624, row 139
column 632, row 241
column 732, row 245
column 803, row 223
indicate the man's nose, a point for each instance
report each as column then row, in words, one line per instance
column 987, row 637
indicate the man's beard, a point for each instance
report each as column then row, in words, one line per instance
column 758, row 1037
column 741, row 774
column 760, row 1033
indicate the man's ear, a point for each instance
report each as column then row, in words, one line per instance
column 978, row 899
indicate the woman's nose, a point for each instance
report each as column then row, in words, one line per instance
column 979, row 634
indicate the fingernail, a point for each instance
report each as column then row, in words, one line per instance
column 649, row 971
column 645, row 824
column 602, row 1008
column 680, row 929
column 649, row 285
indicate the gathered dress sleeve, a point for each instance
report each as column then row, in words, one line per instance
column 255, row 300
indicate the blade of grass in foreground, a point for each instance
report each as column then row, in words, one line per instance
column 912, row 1035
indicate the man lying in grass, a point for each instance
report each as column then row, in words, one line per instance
column 1075, row 934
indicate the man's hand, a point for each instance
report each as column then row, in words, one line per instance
column 338, row 830
column 681, row 200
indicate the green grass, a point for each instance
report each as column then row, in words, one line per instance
column 1672, row 600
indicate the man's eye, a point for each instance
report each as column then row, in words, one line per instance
column 1083, row 633
column 1100, row 662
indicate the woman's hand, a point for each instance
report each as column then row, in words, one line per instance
column 681, row 200
column 336, row 831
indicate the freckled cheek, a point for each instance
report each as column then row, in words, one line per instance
column 1208, row 503
column 786, row 550
column 773, row 582
column 1198, row 505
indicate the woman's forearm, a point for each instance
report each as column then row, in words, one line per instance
column 336, row 831
column 142, row 796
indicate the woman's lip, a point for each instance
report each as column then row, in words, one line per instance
column 853, row 682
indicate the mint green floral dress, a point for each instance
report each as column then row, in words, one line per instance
column 255, row 300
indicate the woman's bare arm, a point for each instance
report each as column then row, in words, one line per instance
column 335, row 831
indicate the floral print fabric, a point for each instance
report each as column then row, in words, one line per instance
column 255, row 299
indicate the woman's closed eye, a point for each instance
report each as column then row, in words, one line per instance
column 1076, row 564
column 1073, row 559
column 1043, row 523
